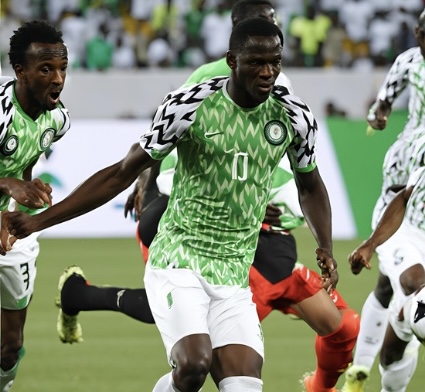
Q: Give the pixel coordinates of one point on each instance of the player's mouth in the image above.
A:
(265, 88)
(54, 97)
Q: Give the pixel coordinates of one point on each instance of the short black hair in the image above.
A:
(252, 27)
(30, 32)
(242, 9)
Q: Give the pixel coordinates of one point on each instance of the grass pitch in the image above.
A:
(121, 354)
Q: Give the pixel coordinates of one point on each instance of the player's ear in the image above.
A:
(231, 59)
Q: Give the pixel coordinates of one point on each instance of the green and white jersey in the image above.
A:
(23, 140)
(284, 192)
(408, 70)
(226, 159)
(415, 208)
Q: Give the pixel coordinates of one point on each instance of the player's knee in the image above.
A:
(191, 371)
(240, 384)
(412, 278)
(350, 326)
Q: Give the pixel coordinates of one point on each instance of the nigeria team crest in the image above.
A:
(47, 138)
(275, 132)
(10, 145)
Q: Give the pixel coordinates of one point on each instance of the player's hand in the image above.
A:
(272, 215)
(19, 224)
(377, 120)
(360, 258)
(31, 194)
(133, 205)
(6, 240)
(328, 267)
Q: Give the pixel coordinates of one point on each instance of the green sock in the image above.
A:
(8, 376)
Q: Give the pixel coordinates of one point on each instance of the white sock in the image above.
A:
(165, 384)
(240, 384)
(373, 323)
(396, 377)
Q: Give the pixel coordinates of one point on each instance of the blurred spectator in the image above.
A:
(55, 8)
(382, 32)
(334, 47)
(99, 51)
(142, 37)
(160, 53)
(361, 60)
(141, 9)
(310, 33)
(355, 16)
(124, 56)
(8, 23)
(73, 26)
(215, 32)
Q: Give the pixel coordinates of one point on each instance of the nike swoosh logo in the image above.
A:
(211, 134)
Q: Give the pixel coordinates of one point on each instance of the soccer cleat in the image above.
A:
(68, 327)
(308, 384)
(355, 379)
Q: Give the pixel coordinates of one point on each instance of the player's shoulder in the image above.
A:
(288, 100)
(412, 55)
(7, 108)
(195, 92)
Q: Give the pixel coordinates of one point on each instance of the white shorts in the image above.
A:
(184, 303)
(403, 250)
(18, 272)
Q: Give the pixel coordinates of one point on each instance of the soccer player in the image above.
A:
(31, 119)
(406, 72)
(403, 221)
(273, 267)
(230, 134)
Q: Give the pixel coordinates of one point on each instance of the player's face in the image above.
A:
(43, 75)
(420, 36)
(255, 68)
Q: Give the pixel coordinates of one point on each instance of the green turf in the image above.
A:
(120, 354)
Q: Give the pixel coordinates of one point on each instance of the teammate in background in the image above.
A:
(407, 71)
(403, 221)
(31, 119)
(196, 277)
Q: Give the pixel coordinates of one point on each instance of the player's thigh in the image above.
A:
(399, 254)
(18, 273)
(233, 319)
(178, 303)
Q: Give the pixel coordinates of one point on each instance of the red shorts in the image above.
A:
(302, 284)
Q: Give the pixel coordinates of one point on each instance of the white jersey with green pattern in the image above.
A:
(408, 70)
(415, 208)
(226, 159)
(23, 140)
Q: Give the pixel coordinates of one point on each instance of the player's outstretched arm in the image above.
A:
(91, 194)
(386, 227)
(314, 201)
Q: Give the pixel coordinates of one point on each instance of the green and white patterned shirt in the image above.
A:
(23, 140)
(226, 159)
(415, 208)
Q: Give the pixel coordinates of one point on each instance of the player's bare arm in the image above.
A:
(386, 227)
(91, 194)
(314, 201)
